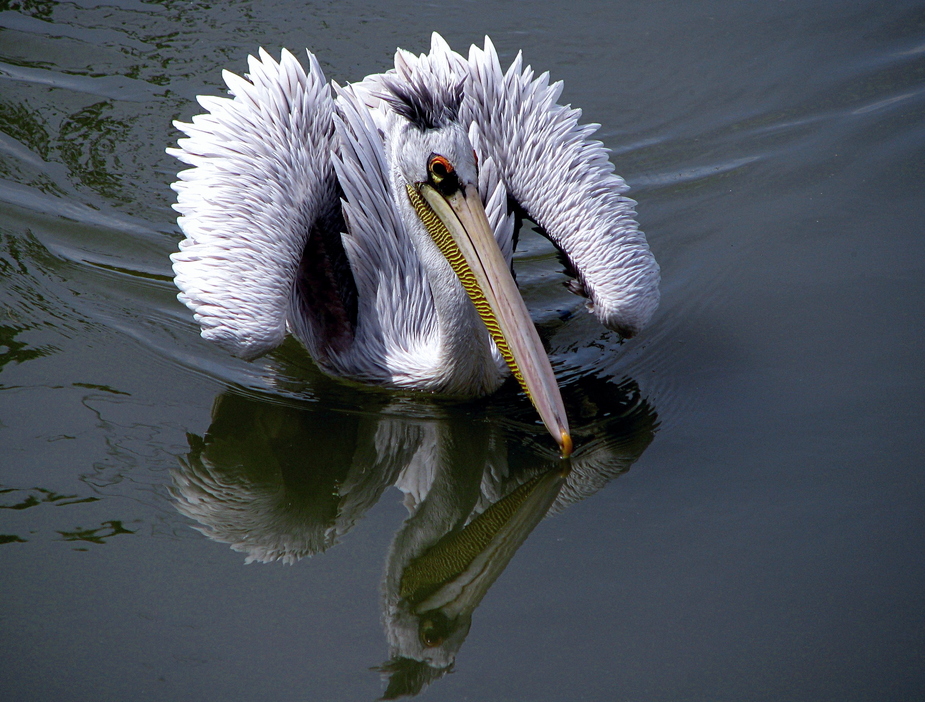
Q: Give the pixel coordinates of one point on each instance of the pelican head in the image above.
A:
(437, 165)
(426, 121)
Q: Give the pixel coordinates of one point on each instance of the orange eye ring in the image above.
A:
(439, 167)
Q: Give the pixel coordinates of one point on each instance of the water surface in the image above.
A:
(745, 518)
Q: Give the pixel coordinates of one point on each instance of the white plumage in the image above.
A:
(297, 219)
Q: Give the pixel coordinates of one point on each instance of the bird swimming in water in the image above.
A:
(376, 221)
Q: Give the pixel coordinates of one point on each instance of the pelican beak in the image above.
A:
(458, 224)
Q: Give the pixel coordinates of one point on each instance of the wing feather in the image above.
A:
(261, 175)
(565, 182)
(397, 309)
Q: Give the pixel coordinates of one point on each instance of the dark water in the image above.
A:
(745, 519)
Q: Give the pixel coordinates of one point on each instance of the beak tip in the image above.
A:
(565, 442)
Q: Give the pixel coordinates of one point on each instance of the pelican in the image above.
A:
(375, 221)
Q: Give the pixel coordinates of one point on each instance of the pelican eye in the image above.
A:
(430, 635)
(438, 168)
(434, 628)
(441, 175)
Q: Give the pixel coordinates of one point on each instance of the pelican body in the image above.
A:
(376, 221)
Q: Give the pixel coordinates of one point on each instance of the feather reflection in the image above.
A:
(278, 482)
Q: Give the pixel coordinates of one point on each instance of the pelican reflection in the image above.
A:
(281, 482)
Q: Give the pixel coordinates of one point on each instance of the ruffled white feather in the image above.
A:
(565, 181)
(261, 172)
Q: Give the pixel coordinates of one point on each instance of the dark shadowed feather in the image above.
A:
(425, 106)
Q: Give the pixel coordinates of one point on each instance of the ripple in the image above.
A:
(95, 36)
(114, 87)
(882, 104)
(33, 199)
(694, 173)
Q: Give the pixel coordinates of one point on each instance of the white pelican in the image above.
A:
(374, 222)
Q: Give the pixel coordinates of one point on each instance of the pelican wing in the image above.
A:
(565, 182)
(261, 181)
(395, 301)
